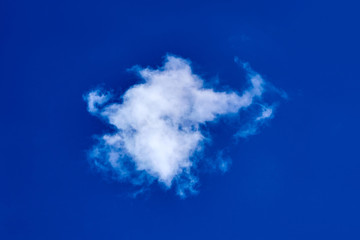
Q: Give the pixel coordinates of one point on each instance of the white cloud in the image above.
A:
(157, 124)
(252, 127)
(96, 99)
(265, 113)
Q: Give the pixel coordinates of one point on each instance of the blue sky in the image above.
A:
(297, 178)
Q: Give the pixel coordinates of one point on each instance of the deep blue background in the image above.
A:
(298, 179)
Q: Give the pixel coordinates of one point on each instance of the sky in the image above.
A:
(179, 120)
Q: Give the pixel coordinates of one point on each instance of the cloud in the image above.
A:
(252, 127)
(157, 124)
(96, 99)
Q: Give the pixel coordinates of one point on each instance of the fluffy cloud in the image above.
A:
(157, 124)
